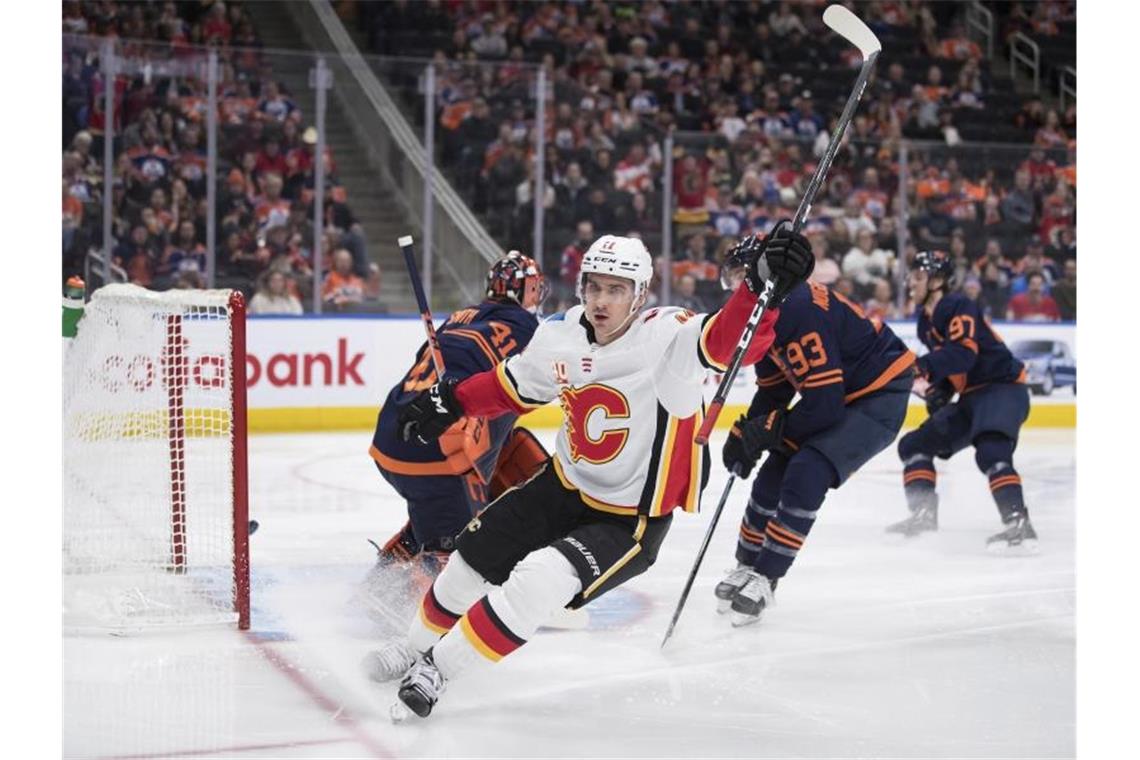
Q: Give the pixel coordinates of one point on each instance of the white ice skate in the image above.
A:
(1018, 538)
(421, 686)
(727, 589)
(750, 602)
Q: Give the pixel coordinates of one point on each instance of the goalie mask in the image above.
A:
(517, 278)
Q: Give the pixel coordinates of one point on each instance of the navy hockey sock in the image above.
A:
(805, 484)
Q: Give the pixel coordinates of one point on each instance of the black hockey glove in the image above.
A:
(938, 395)
(430, 413)
(735, 460)
(784, 256)
(764, 433)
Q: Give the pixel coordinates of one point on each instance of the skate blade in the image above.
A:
(1027, 548)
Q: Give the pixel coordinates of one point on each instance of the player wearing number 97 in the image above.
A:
(854, 377)
(966, 358)
(446, 483)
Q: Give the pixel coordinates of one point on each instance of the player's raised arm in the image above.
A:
(708, 344)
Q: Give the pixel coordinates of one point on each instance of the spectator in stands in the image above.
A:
(1065, 292)
(1033, 261)
(972, 289)
(571, 260)
(864, 263)
(275, 105)
(1019, 204)
(570, 190)
(995, 289)
(184, 254)
(137, 256)
(1064, 246)
(826, 270)
(880, 305)
(273, 296)
(1034, 305)
(957, 46)
(855, 220)
(270, 159)
(685, 294)
(342, 288)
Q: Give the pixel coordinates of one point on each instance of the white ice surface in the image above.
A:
(875, 649)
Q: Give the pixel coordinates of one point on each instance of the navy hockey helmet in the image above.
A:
(936, 264)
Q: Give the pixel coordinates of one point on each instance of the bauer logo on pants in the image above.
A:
(585, 553)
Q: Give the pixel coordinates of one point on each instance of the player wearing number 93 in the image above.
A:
(447, 482)
(854, 378)
(966, 358)
(630, 384)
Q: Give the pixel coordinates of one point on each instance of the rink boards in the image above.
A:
(333, 372)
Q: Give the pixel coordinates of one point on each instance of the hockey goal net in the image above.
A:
(155, 481)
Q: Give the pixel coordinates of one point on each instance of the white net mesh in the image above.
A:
(148, 461)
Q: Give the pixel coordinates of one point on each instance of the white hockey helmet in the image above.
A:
(619, 257)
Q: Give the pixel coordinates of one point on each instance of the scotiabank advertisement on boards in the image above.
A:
(326, 372)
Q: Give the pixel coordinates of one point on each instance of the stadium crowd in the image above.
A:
(758, 81)
(266, 160)
(750, 90)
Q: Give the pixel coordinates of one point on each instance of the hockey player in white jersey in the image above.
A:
(630, 387)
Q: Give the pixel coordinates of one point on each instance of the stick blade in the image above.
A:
(847, 25)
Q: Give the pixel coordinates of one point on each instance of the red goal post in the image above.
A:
(156, 518)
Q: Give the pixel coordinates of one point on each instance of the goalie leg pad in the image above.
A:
(519, 460)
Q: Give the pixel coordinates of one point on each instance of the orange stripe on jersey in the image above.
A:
(969, 343)
(821, 383)
(958, 381)
(769, 381)
(479, 340)
(509, 388)
(837, 372)
(400, 467)
(676, 486)
(898, 366)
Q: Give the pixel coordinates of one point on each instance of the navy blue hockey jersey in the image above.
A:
(472, 340)
(831, 353)
(964, 348)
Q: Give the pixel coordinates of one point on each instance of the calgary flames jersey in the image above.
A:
(631, 409)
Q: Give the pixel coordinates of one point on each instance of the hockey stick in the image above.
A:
(848, 26)
(405, 244)
(700, 557)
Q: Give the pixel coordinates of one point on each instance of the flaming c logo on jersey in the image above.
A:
(578, 404)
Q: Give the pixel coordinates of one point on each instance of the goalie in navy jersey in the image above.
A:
(854, 377)
(967, 359)
(447, 482)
